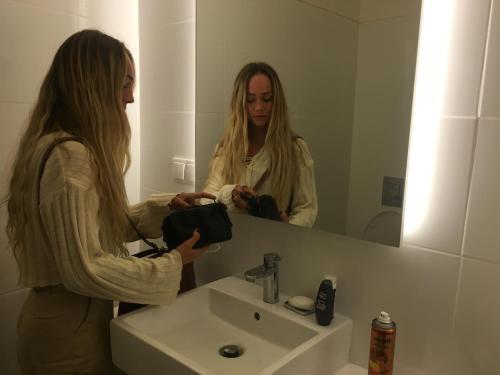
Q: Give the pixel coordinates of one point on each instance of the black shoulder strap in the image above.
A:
(155, 249)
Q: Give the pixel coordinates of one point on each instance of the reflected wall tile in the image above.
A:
(477, 328)
(347, 8)
(209, 128)
(490, 105)
(210, 73)
(443, 208)
(482, 234)
(25, 40)
(381, 9)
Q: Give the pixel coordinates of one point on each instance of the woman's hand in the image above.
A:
(284, 217)
(185, 200)
(238, 192)
(189, 254)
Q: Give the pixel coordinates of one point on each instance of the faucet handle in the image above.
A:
(271, 260)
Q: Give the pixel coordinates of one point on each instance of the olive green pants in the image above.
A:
(60, 332)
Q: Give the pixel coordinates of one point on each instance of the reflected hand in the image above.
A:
(284, 217)
(238, 192)
(185, 200)
(186, 250)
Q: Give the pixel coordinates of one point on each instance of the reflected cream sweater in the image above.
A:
(63, 245)
(301, 196)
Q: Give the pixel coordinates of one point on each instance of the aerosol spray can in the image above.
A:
(382, 341)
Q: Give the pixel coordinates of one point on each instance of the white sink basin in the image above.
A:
(185, 338)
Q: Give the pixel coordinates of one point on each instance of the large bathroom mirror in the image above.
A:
(348, 69)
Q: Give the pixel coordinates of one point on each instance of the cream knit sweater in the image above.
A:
(62, 236)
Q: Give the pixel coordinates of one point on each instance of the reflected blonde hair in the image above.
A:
(279, 138)
(80, 95)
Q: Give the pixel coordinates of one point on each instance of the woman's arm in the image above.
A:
(70, 219)
(84, 256)
(215, 185)
(148, 216)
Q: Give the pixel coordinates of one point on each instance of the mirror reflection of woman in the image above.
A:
(259, 154)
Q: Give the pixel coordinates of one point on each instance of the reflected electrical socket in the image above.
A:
(392, 191)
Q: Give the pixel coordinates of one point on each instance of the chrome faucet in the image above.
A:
(270, 272)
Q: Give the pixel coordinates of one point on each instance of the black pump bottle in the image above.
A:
(325, 300)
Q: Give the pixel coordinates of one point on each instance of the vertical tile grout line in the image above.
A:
(472, 163)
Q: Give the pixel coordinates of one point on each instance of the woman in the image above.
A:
(67, 227)
(259, 154)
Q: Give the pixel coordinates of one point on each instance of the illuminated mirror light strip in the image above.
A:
(430, 86)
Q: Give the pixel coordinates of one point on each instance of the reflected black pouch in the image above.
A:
(211, 220)
(263, 206)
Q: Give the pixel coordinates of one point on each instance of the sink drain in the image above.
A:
(231, 351)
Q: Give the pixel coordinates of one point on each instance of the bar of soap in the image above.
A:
(301, 302)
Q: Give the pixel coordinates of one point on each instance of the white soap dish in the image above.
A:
(300, 304)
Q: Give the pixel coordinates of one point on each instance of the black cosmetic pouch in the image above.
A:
(211, 220)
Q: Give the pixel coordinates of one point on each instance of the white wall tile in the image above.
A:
(116, 14)
(490, 105)
(210, 66)
(442, 222)
(166, 135)
(25, 39)
(66, 6)
(167, 52)
(466, 55)
(172, 78)
(476, 325)
(331, 155)
(11, 306)
(482, 234)
(156, 14)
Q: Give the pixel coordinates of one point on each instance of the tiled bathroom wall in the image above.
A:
(387, 49)
(30, 33)
(167, 50)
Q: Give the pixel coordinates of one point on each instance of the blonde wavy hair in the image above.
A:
(80, 95)
(279, 142)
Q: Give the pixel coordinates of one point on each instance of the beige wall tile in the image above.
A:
(490, 106)
(482, 234)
